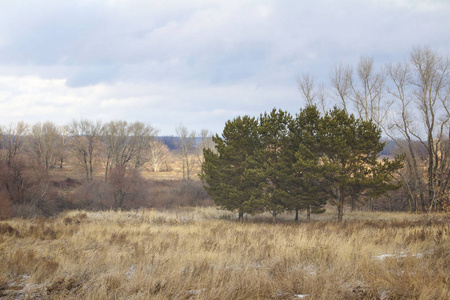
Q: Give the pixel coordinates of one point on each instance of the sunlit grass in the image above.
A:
(204, 253)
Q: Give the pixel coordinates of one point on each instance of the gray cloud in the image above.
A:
(198, 63)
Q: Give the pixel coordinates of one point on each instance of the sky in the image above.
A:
(194, 63)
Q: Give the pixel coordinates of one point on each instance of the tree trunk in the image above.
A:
(296, 215)
(340, 208)
(340, 203)
(308, 213)
(241, 216)
(274, 218)
(106, 168)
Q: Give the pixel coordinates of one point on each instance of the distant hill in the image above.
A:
(172, 142)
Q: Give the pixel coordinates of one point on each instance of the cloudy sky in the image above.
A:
(198, 63)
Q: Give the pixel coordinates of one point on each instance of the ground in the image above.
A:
(204, 253)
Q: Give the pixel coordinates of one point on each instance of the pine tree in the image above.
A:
(351, 150)
(273, 171)
(305, 173)
(230, 174)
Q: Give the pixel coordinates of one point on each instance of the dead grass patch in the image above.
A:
(197, 254)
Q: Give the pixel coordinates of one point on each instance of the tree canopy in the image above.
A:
(278, 162)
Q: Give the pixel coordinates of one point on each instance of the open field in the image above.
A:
(203, 253)
(171, 169)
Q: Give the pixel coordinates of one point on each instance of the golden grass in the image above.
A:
(200, 254)
(73, 169)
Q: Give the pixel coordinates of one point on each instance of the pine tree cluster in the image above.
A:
(280, 162)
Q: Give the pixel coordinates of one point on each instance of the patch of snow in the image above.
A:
(301, 296)
(197, 292)
(131, 271)
(383, 256)
(401, 255)
(384, 294)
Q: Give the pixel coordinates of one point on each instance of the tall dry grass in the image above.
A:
(201, 254)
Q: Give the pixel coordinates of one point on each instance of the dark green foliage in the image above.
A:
(306, 184)
(351, 149)
(274, 170)
(231, 174)
(278, 162)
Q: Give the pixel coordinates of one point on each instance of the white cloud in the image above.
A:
(196, 62)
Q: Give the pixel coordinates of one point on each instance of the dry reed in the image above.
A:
(201, 254)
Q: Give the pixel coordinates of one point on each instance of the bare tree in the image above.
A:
(186, 143)
(25, 188)
(85, 142)
(157, 154)
(365, 93)
(341, 78)
(142, 135)
(313, 93)
(13, 138)
(62, 145)
(126, 186)
(422, 94)
(114, 135)
(125, 142)
(44, 143)
(369, 93)
(411, 102)
(205, 142)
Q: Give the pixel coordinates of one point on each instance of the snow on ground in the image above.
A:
(400, 255)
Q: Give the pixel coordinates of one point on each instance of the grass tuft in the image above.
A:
(200, 254)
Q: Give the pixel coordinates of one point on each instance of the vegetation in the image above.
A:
(201, 254)
(45, 169)
(277, 163)
(410, 101)
(109, 241)
(230, 173)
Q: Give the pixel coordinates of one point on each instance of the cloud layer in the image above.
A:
(200, 62)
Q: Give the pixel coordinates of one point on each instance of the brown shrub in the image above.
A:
(6, 229)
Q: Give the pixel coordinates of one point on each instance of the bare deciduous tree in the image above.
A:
(314, 94)
(44, 143)
(410, 101)
(365, 93)
(62, 145)
(143, 135)
(205, 142)
(114, 136)
(158, 153)
(341, 84)
(85, 141)
(13, 138)
(126, 186)
(186, 143)
(422, 96)
(125, 142)
(368, 93)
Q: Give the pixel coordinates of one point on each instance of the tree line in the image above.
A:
(410, 101)
(122, 149)
(279, 162)
(275, 162)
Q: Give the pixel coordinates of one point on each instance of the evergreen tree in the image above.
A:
(304, 184)
(230, 174)
(272, 169)
(350, 149)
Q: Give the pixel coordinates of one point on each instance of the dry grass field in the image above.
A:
(171, 169)
(204, 253)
